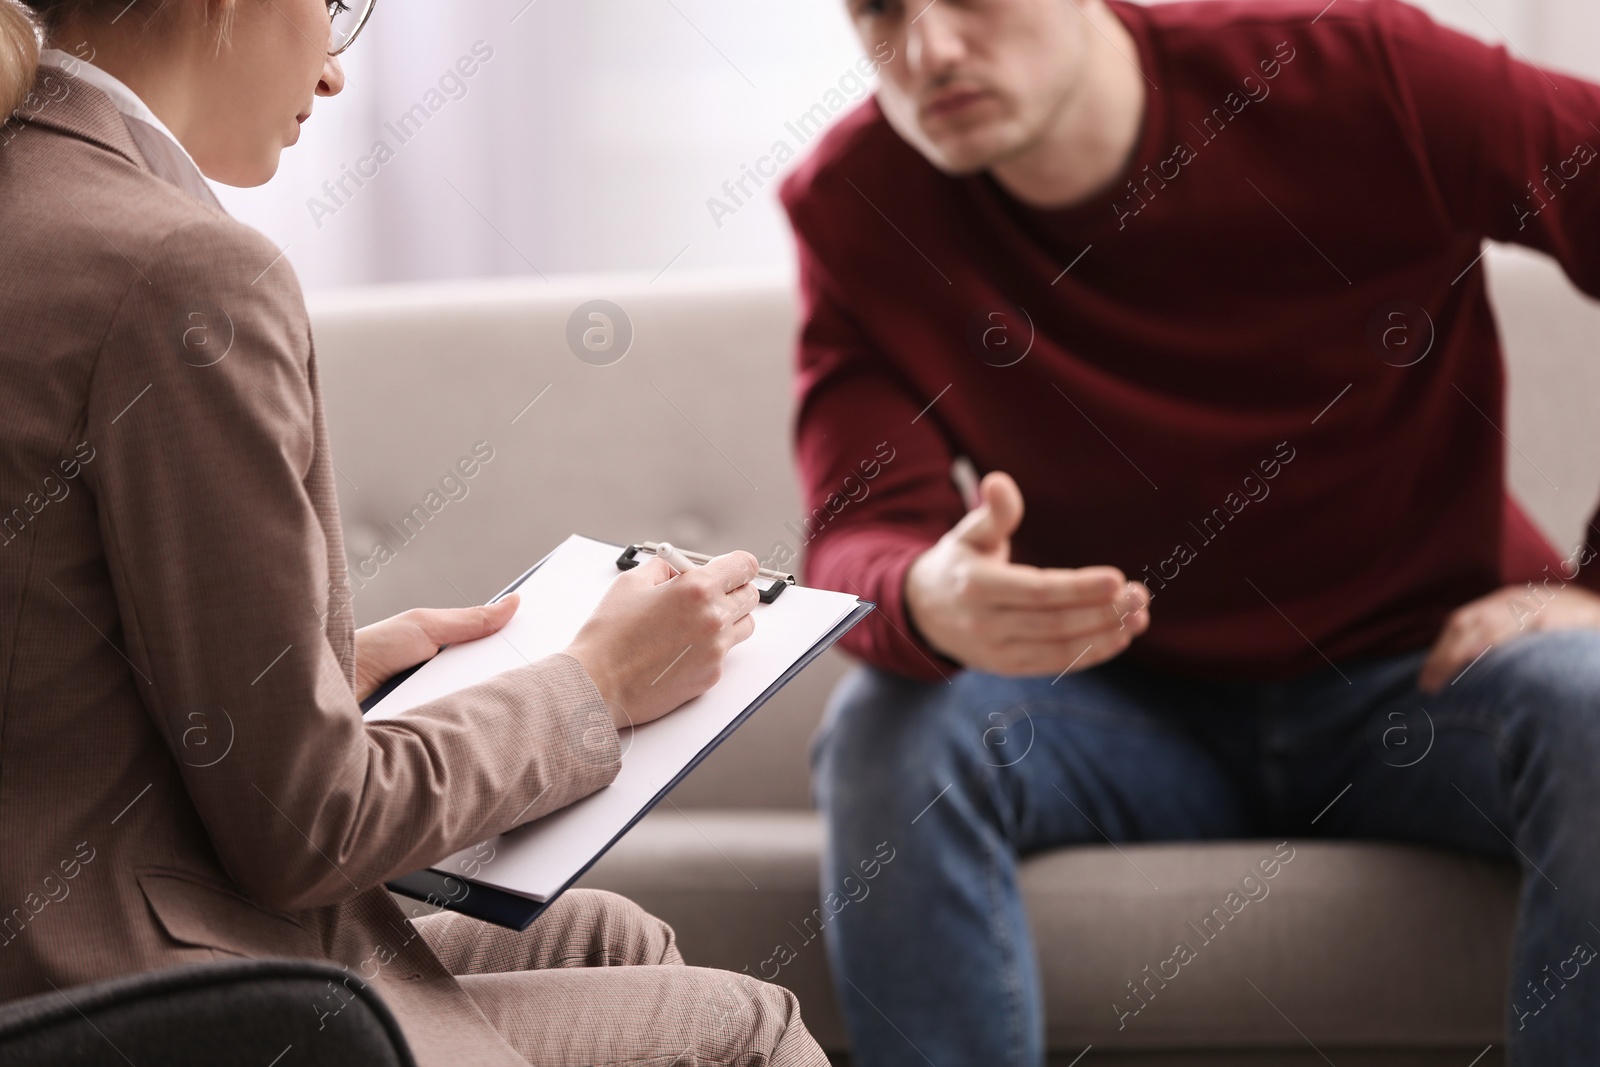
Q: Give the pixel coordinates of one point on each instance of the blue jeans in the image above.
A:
(962, 779)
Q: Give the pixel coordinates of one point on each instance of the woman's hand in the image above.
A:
(386, 648)
(655, 641)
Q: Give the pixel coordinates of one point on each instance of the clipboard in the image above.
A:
(489, 903)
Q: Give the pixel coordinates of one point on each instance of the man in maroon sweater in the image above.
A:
(1201, 282)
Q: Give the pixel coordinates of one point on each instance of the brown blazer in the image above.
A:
(184, 772)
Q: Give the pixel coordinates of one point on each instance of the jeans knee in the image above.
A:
(882, 733)
(1550, 682)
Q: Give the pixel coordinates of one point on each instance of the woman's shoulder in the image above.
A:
(112, 270)
(119, 284)
(73, 195)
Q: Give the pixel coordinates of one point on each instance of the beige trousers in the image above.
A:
(598, 980)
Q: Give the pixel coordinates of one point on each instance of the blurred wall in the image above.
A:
(590, 134)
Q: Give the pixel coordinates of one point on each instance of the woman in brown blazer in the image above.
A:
(184, 770)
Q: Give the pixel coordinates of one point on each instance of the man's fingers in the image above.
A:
(1030, 659)
(1431, 678)
(1016, 585)
(989, 526)
(1455, 648)
(1062, 624)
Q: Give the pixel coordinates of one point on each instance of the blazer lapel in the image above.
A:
(167, 162)
(71, 105)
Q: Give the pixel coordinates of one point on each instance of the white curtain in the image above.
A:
(556, 136)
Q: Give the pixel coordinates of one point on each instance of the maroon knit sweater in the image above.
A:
(1258, 372)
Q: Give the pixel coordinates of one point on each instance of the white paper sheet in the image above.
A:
(537, 859)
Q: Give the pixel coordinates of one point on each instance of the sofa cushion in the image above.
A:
(1360, 945)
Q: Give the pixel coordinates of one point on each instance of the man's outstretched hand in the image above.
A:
(971, 603)
(1500, 617)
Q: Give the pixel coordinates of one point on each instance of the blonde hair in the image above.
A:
(19, 55)
(28, 25)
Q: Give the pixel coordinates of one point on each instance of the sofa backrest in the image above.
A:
(686, 438)
(1551, 334)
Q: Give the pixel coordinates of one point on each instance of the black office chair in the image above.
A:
(249, 1013)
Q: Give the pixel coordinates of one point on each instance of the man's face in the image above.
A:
(974, 82)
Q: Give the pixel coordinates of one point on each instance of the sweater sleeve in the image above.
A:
(1589, 555)
(1513, 150)
(220, 563)
(875, 473)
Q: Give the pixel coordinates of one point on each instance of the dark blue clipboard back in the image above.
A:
(459, 893)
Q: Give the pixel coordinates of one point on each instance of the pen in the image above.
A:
(777, 578)
(965, 474)
(675, 559)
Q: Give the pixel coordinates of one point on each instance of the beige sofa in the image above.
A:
(1361, 953)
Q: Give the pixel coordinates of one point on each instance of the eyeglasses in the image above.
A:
(347, 20)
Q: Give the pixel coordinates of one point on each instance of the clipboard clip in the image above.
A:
(780, 581)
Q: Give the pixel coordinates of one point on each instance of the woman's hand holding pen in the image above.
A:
(656, 641)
